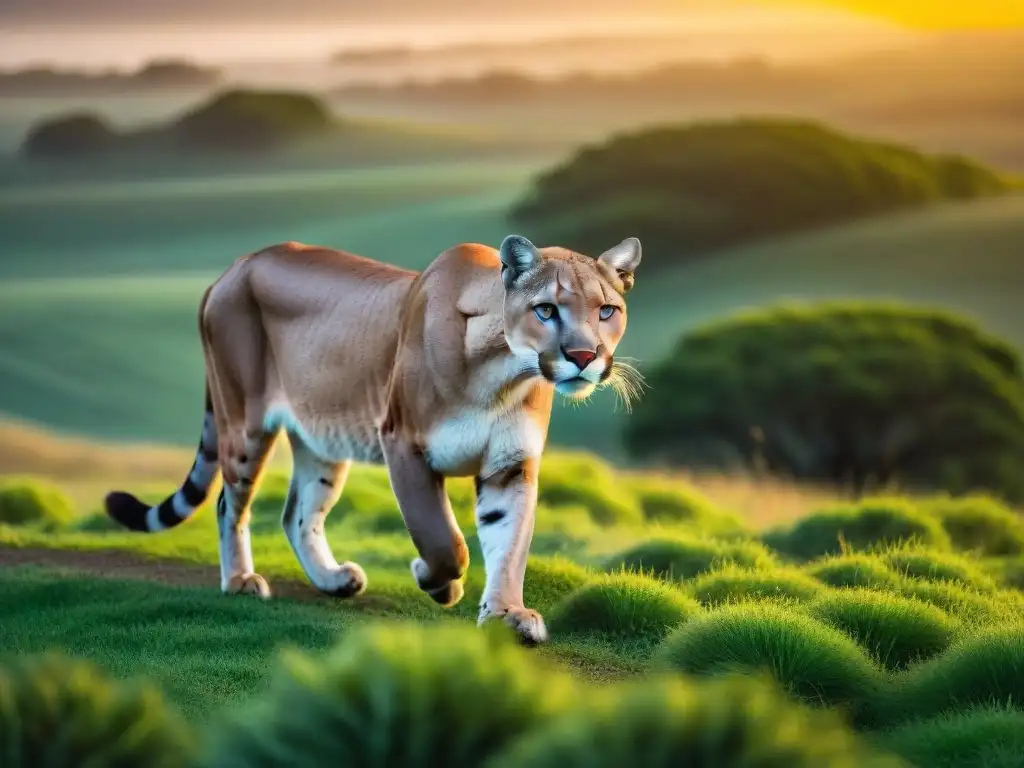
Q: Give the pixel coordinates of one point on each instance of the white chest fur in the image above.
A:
(481, 442)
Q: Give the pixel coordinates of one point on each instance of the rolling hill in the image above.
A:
(101, 340)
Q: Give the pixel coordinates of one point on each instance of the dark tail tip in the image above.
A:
(127, 510)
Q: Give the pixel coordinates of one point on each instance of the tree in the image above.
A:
(857, 395)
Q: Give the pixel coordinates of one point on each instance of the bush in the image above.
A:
(725, 723)
(897, 631)
(918, 563)
(570, 479)
(809, 659)
(59, 713)
(624, 606)
(685, 190)
(980, 524)
(871, 524)
(75, 134)
(396, 695)
(26, 501)
(980, 670)
(682, 557)
(992, 737)
(731, 583)
(860, 396)
(852, 569)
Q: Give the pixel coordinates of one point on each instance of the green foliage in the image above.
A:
(26, 501)
(683, 557)
(979, 523)
(59, 713)
(811, 660)
(871, 524)
(852, 569)
(986, 668)
(623, 605)
(982, 737)
(551, 579)
(729, 723)
(861, 396)
(568, 479)
(732, 583)
(396, 695)
(78, 133)
(690, 189)
(673, 502)
(920, 563)
(897, 631)
(955, 599)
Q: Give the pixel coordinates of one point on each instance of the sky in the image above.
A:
(125, 33)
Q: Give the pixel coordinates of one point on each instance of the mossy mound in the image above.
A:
(852, 569)
(623, 605)
(982, 737)
(979, 523)
(28, 501)
(811, 660)
(927, 564)
(572, 478)
(732, 583)
(683, 557)
(897, 631)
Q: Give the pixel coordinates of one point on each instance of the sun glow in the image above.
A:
(930, 14)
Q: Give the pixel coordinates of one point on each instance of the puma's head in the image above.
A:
(565, 313)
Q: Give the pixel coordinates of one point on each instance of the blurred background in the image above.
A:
(827, 193)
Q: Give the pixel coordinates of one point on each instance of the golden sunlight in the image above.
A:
(932, 14)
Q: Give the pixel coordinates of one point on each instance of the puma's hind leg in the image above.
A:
(315, 488)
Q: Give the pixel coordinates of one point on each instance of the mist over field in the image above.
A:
(806, 533)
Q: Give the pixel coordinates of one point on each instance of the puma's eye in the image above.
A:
(608, 310)
(545, 311)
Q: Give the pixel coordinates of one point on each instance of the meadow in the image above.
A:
(899, 617)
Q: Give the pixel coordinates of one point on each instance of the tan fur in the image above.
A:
(447, 372)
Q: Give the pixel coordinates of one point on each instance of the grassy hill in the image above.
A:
(118, 356)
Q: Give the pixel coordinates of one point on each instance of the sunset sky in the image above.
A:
(126, 32)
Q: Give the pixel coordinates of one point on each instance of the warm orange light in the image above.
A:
(932, 14)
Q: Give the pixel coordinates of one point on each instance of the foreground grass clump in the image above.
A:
(871, 524)
(990, 737)
(683, 557)
(60, 713)
(919, 563)
(982, 669)
(896, 631)
(26, 501)
(732, 583)
(979, 523)
(624, 605)
(396, 695)
(809, 659)
(729, 723)
(853, 569)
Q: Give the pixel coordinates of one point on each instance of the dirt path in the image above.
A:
(118, 564)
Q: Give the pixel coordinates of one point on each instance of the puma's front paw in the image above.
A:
(526, 622)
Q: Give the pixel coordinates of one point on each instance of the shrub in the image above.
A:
(60, 713)
(979, 523)
(623, 605)
(724, 723)
(927, 564)
(992, 737)
(860, 396)
(873, 523)
(28, 501)
(852, 570)
(982, 669)
(683, 557)
(684, 190)
(569, 479)
(731, 583)
(396, 695)
(809, 659)
(897, 631)
(71, 135)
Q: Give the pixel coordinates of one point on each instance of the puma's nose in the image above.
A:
(582, 357)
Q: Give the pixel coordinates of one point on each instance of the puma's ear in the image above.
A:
(518, 256)
(624, 258)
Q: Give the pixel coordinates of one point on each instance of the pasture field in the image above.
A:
(119, 279)
(901, 617)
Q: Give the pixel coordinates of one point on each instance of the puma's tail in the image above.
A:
(179, 506)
